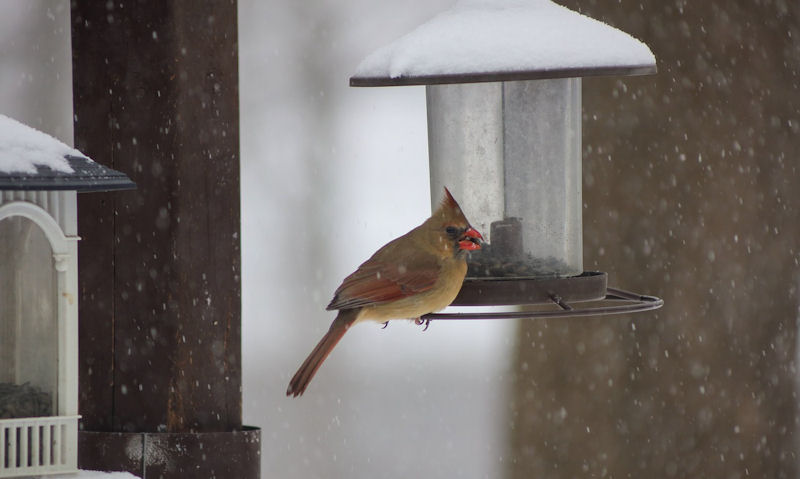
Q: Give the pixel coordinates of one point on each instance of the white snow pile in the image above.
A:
(488, 36)
(93, 475)
(23, 148)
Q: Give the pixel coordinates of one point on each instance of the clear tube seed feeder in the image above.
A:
(489, 150)
(503, 88)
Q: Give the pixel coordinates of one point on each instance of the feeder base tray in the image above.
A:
(532, 295)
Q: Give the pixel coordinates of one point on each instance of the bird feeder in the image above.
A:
(39, 179)
(503, 89)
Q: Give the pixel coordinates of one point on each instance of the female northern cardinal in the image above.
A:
(415, 274)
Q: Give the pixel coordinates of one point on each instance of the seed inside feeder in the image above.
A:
(505, 256)
(24, 400)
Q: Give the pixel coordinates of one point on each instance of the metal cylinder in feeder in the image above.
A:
(511, 153)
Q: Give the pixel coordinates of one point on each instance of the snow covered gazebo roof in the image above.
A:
(32, 160)
(505, 40)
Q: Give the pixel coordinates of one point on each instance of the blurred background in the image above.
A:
(690, 191)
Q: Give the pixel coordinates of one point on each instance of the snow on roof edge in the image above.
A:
(506, 37)
(23, 148)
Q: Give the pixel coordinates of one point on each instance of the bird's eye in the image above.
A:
(452, 231)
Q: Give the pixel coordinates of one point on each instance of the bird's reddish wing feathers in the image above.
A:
(377, 282)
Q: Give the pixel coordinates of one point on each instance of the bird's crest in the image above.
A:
(449, 201)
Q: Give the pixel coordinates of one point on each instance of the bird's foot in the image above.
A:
(420, 321)
(385, 324)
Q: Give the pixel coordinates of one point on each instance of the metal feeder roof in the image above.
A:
(505, 40)
(86, 176)
(32, 160)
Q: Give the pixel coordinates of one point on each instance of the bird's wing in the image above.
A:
(379, 281)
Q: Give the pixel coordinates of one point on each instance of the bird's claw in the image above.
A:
(420, 321)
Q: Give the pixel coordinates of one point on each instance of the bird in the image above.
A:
(415, 274)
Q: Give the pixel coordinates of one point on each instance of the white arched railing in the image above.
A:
(48, 444)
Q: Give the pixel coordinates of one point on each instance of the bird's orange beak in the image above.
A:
(472, 240)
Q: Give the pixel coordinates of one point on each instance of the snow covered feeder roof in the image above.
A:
(505, 40)
(32, 160)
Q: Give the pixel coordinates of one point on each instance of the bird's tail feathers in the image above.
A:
(303, 376)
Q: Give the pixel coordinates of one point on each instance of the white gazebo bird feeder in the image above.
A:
(503, 87)
(39, 179)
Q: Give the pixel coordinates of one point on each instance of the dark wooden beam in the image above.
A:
(156, 97)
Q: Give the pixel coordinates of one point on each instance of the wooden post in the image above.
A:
(156, 96)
